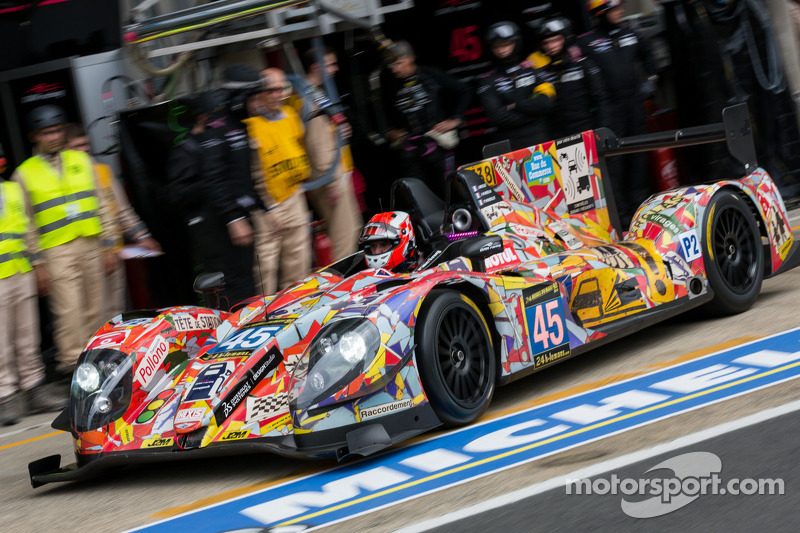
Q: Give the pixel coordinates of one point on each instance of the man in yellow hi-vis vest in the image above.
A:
(21, 367)
(283, 234)
(72, 237)
(127, 224)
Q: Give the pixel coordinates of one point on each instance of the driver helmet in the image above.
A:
(388, 240)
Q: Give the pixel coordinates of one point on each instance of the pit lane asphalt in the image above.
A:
(763, 451)
(139, 495)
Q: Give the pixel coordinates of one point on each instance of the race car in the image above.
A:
(523, 266)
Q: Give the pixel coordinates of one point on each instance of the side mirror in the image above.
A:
(209, 283)
(482, 247)
(210, 286)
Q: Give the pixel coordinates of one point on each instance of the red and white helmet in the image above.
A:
(388, 240)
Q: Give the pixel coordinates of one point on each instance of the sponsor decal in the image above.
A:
(157, 442)
(384, 409)
(210, 380)
(490, 247)
(187, 322)
(504, 260)
(664, 221)
(236, 435)
(283, 422)
(191, 415)
(107, 340)
(690, 245)
(478, 450)
(259, 371)
(546, 324)
(152, 361)
(539, 169)
(220, 356)
(504, 167)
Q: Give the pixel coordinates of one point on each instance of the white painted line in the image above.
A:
(601, 468)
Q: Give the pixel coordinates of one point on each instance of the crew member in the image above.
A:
(622, 55)
(71, 241)
(327, 133)
(388, 242)
(423, 126)
(210, 179)
(516, 98)
(21, 368)
(127, 224)
(283, 238)
(581, 101)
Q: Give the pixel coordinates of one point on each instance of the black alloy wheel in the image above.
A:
(733, 254)
(455, 357)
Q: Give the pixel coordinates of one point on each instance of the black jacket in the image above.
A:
(210, 172)
(517, 100)
(623, 57)
(581, 101)
(420, 102)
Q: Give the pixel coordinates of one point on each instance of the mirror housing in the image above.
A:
(211, 283)
(482, 247)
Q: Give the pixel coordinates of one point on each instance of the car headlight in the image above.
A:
(87, 377)
(101, 388)
(342, 351)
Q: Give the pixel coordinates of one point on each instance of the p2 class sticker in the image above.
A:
(547, 325)
(576, 179)
(690, 245)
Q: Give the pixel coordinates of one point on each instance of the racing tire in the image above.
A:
(733, 254)
(455, 357)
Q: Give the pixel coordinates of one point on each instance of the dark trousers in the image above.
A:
(422, 158)
(213, 251)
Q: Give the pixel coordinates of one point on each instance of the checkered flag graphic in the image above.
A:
(266, 407)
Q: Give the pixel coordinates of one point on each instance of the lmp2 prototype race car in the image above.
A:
(524, 265)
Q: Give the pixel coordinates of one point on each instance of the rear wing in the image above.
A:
(569, 178)
(735, 130)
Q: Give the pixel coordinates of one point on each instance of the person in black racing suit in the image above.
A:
(515, 97)
(210, 181)
(624, 58)
(581, 100)
(425, 108)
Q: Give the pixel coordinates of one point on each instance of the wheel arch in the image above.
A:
(761, 223)
(481, 299)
